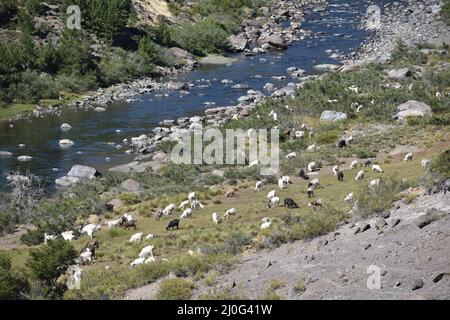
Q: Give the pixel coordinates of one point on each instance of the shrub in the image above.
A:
(49, 262)
(445, 12)
(175, 289)
(376, 199)
(12, 286)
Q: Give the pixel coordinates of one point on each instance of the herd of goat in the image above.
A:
(192, 203)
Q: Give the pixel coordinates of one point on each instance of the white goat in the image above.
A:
(254, 163)
(335, 170)
(184, 204)
(291, 155)
(266, 224)
(85, 256)
(312, 166)
(229, 212)
(376, 168)
(273, 202)
(192, 196)
(315, 183)
(186, 214)
(113, 223)
(374, 183)
(258, 186)
(89, 229)
(197, 205)
(49, 237)
(169, 209)
(299, 134)
(349, 140)
(137, 262)
(354, 164)
(360, 175)
(271, 194)
(146, 252)
(216, 218)
(282, 184)
(137, 237)
(349, 197)
(68, 235)
(408, 157)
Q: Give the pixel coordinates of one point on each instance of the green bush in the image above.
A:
(445, 12)
(12, 286)
(175, 289)
(49, 262)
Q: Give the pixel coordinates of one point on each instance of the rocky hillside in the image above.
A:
(409, 243)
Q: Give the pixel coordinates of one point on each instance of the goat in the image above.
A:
(49, 237)
(299, 134)
(258, 186)
(113, 223)
(266, 223)
(146, 252)
(68, 235)
(254, 163)
(184, 204)
(349, 140)
(282, 183)
(128, 217)
(92, 245)
(129, 224)
(173, 223)
(271, 194)
(315, 183)
(310, 192)
(286, 179)
(291, 155)
(290, 203)
(316, 204)
(376, 168)
(274, 201)
(158, 215)
(186, 214)
(197, 205)
(359, 175)
(341, 144)
(216, 218)
(192, 196)
(137, 262)
(354, 164)
(85, 257)
(340, 176)
(446, 186)
(408, 157)
(374, 183)
(169, 209)
(312, 166)
(349, 197)
(230, 193)
(367, 163)
(303, 174)
(230, 212)
(136, 237)
(335, 170)
(89, 229)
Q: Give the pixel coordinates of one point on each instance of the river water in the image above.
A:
(97, 134)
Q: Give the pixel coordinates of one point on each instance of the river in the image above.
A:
(96, 135)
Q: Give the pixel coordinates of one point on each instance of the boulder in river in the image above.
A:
(5, 154)
(238, 42)
(329, 115)
(66, 143)
(83, 172)
(24, 158)
(412, 108)
(66, 127)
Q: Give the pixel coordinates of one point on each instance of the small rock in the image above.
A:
(380, 223)
(417, 284)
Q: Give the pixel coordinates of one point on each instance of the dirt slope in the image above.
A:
(149, 10)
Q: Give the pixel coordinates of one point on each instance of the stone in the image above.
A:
(380, 223)
(66, 181)
(417, 284)
(83, 172)
(130, 185)
(326, 67)
(412, 108)
(99, 109)
(5, 154)
(66, 127)
(365, 227)
(395, 222)
(398, 74)
(93, 219)
(160, 156)
(116, 204)
(238, 42)
(329, 115)
(24, 158)
(276, 41)
(426, 219)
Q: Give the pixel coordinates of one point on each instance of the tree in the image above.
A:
(51, 261)
(12, 286)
